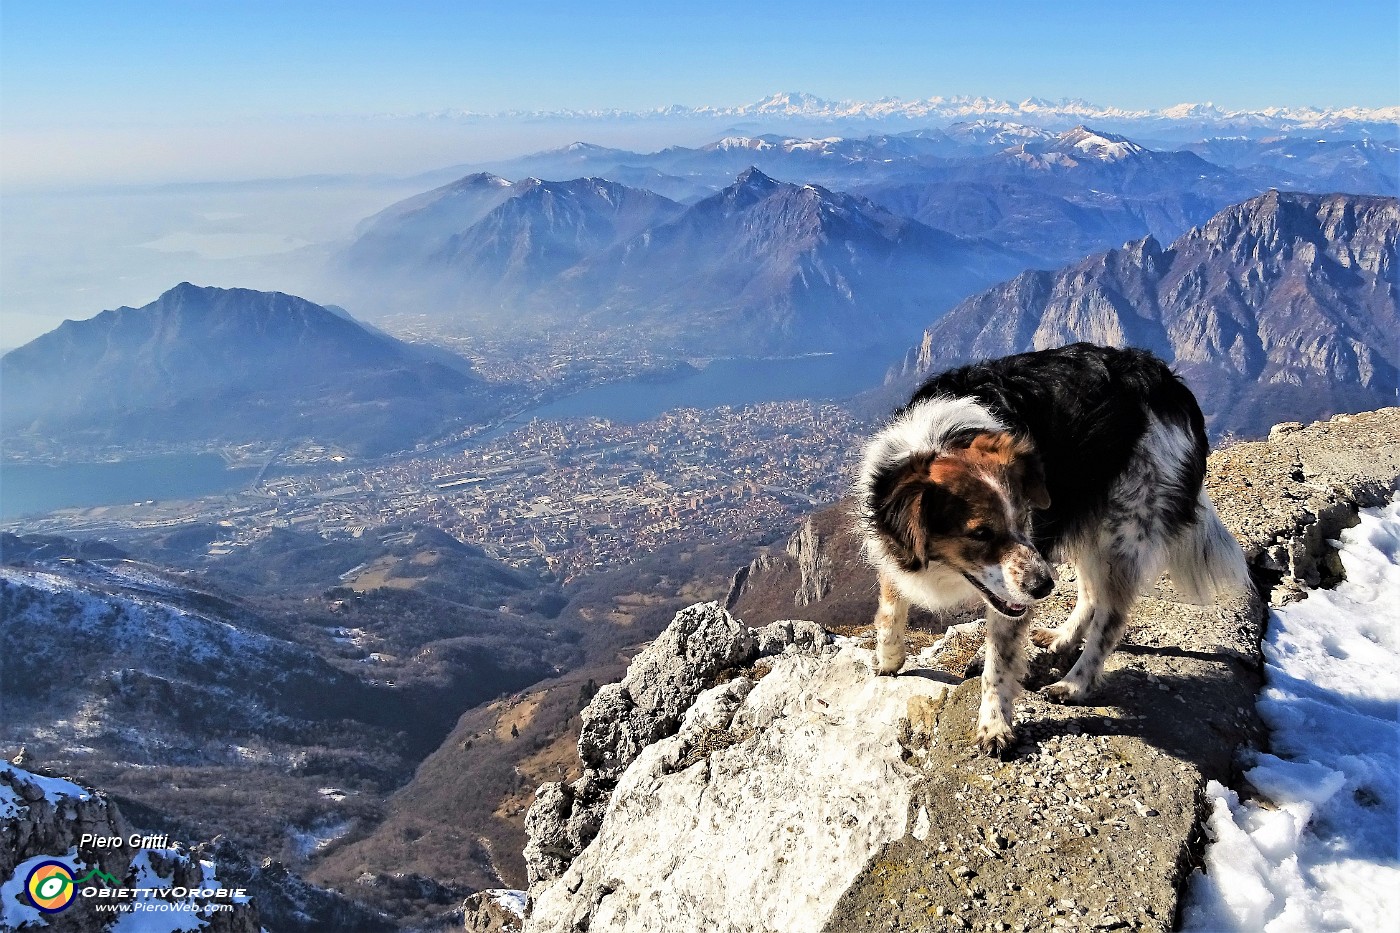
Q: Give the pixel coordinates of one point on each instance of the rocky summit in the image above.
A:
(742, 779)
(1284, 303)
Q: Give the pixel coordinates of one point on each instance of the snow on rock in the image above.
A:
(1323, 853)
(495, 911)
(45, 819)
(758, 813)
(513, 901)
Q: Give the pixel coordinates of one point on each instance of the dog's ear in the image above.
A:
(896, 501)
(1030, 473)
(1016, 454)
(908, 505)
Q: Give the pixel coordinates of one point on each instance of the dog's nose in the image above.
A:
(1042, 587)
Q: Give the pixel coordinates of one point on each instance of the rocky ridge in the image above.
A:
(1285, 302)
(733, 786)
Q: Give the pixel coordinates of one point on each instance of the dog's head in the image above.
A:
(967, 509)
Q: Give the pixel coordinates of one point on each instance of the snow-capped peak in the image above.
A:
(756, 143)
(1205, 111)
(1105, 147)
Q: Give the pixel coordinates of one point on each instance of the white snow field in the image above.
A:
(1323, 853)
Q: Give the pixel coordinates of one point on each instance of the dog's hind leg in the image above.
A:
(1001, 680)
(891, 622)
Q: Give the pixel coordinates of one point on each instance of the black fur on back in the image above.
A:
(1085, 407)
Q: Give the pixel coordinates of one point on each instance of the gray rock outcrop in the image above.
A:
(813, 564)
(703, 642)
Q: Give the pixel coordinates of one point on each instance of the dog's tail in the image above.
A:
(1206, 562)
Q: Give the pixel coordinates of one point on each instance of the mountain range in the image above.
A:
(657, 253)
(1285, 305)
(761, 266)
(799, 106)
(214, 364)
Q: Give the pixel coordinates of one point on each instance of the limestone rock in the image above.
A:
(495, 911)
(623, 719)
(764, 830)
(809, 550)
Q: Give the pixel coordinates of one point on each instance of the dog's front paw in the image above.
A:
(994, 738)
(1053, 641)
(889, 657)
(888, 667)
(1065, 692)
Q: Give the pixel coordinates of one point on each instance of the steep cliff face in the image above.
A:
(733, 786)
(808, 549)
(1286, 302)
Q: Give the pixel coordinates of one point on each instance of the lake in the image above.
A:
(722, 382)
(29, 488)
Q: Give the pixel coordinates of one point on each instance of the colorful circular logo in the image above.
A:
(50, 886)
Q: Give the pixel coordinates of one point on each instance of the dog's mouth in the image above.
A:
(1011, 610)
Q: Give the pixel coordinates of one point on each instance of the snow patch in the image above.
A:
(513, 901)
(1322, 854)
(307, 842)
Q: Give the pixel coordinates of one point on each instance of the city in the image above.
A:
(567, 496)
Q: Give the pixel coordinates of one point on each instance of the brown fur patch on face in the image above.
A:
(901, 496)
(1014, 461)
(981, 531)
(949, 508)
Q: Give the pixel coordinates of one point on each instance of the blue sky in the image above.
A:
(154, 61)
(164, 90)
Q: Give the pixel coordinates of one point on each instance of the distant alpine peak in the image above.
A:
(1106, 147)
(756, 143)
(752, 178)
(1035, 110)
(1205, 111)
(481, 180)
(793, 102)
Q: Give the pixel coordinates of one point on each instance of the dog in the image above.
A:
(1086, 454)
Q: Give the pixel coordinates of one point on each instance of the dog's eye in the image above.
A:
(980, 533)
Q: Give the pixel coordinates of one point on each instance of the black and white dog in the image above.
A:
(1088, 454)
